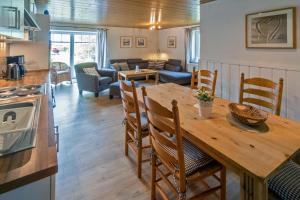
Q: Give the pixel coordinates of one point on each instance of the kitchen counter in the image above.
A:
(32, 77)
(33, 164)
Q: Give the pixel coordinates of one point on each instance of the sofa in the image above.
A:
(93, 83)
(173, 73)
(131, 63)
(143, 64)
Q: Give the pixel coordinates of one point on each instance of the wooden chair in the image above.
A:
(208, 80)
(136, 124)
(268, 91)
(176, 160)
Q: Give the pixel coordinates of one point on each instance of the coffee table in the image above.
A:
(142, 73)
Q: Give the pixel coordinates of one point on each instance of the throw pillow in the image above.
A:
(116, 66)
(91, 71)
(123, 66)
(173, 68)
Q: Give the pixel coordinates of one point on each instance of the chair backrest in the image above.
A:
(59, 66)
(264, 92)
(162, 124)
(130, 105)
(79, 67)
(207, 80)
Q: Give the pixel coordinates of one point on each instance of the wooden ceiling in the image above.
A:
(124, 13)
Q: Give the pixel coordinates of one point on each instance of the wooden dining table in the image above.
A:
(253, 155)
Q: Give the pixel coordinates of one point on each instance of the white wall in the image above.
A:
(36, 53)
(223, 42)
(115, 52)
(175, 53)
(223, 33)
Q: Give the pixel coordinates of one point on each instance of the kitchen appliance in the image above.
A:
(19, 60)
(22, 91)
(13, 72)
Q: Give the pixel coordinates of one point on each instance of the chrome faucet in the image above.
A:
(12, 114)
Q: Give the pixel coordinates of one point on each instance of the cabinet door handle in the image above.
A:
(57, 138)
(19, 20)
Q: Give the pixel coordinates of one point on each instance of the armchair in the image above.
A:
(60, 72)
(93, 83)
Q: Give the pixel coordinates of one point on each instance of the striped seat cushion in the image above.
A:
(194, 158)
(286, 182)
(144, 121)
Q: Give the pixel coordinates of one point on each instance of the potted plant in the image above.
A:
(205, 103)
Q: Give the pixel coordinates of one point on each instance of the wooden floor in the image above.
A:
(92, 165)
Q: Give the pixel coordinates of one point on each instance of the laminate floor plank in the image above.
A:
(92, 164)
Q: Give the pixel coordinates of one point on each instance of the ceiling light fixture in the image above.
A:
(153, 23)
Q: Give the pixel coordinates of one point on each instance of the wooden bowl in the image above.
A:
(247, 114)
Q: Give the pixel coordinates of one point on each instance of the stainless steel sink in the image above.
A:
(18, 123)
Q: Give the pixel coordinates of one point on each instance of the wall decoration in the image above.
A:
(126, 41)
(171, 42)
(271, 29)
(140, 42)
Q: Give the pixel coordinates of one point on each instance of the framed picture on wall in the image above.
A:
(171, 42)
(140, 42)
(126, 41)
(271, 29)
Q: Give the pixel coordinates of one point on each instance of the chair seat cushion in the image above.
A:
(144, 121)
(194, 158)
(286, 182)
(105, 80)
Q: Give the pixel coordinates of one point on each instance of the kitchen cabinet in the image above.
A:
(12, 18)
(43, 189)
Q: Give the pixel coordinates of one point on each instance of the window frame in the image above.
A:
(72, 43)
(193, 47)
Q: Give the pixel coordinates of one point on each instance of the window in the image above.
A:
(84, 48)
(195, 46)
(60, 48)
(73, 47)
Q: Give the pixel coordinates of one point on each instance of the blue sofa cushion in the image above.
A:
(286, 182)
(105, 80)
(181, 78)
(173, 68)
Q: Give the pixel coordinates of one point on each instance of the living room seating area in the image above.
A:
(172, 71)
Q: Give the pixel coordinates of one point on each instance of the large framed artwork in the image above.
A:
(140, 42)
(126, 41)
(171, 42)
(271, 29)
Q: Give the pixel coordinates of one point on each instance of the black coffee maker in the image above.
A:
(19, 60)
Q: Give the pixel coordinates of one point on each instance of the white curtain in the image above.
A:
(101, 48)
(187, 45)
(192, 46)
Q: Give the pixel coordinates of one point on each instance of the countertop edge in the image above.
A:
(49, 166)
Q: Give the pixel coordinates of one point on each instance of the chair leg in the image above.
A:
(96, 94)
(223, 183)
(126, 139)
(139, 160)
(153, 177)
(111, 96)
(80, 92)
